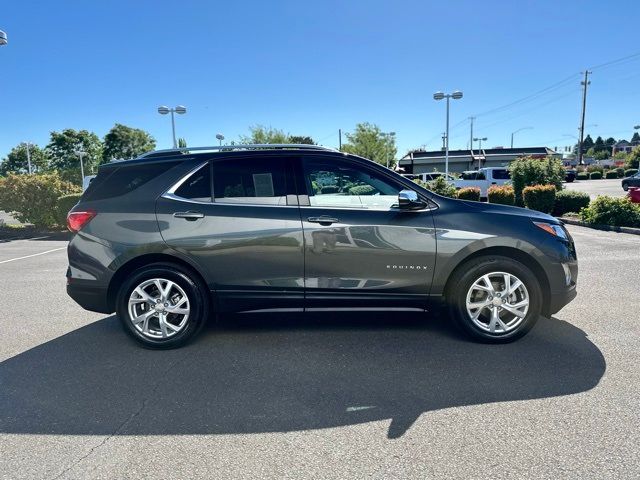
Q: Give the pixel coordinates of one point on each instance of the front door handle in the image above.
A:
(323, 220)
(189, 216)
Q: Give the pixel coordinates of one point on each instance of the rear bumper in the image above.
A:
(89, 297)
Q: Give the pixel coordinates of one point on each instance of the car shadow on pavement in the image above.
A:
(265, 373)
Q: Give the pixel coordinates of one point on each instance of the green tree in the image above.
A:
(301, 139)
(123, 142)
(16, 161)
(182, 143)
(587, 143)
(63, 146)
(260, 134)
(599, 145)
(609, 143)
(527, 171)
(635, 138)
(633, 159)
(368, 141)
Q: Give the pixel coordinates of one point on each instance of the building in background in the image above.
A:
(421, 161)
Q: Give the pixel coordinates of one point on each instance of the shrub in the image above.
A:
(570, 201)
(469, 193)
(595, 175)
(630, 171)
(528, 171)
(620, 172)
(362, 190)
(64, 204)
(540, 197)
(633, 159)
(33, 198)
(441, 187)
(595, 168)
(504, 195)
(330, 189)
(611, 174)
(619, 212)
(582, 176)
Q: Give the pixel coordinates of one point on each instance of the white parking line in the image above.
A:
(34, 255)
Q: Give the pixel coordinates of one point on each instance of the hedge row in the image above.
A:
(503, 195)
(34, 198)
(540, 197)
(570, 201)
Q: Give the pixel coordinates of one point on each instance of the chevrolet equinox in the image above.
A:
(171, 237)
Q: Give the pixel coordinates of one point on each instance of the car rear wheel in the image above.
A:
(162, 306)
(495, 299)
(625, 187)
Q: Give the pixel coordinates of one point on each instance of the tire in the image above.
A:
(467, 285)
(625, 187)
(183, 319)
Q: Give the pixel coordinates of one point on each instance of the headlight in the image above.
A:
(553, 229)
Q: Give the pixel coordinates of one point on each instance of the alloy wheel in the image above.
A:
(497, 302)
(159, 308)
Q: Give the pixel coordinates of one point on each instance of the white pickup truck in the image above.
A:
(483, 179)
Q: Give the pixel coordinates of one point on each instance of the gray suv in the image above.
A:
(172, 237)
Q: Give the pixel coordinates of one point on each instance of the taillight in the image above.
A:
(77, 220)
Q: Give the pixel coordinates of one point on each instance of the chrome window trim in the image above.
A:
(171, 194)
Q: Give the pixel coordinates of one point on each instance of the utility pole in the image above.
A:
(340, 139)
(585, 83)
(444, 137)
(471, 133)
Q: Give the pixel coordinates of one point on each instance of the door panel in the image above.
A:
(251, 254)
(368, 253)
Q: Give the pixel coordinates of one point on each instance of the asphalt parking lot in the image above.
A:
(368, 396)
(611, 187)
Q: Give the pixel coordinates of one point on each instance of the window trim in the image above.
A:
(171, 193)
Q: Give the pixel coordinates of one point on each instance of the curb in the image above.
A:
(608, 228)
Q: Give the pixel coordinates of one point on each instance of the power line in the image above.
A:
(613, 62)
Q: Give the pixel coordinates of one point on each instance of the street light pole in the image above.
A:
(27, 145)
(81, 154)
(180, 109)
(456, 95)
(519, 130)
(480, 140)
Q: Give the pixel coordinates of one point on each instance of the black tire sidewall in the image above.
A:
(197, 302)
(474, 270)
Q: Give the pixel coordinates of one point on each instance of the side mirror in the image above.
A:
(408, 200)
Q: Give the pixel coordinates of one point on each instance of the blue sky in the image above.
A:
(311, 68)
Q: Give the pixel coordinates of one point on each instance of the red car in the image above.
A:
(634, 194)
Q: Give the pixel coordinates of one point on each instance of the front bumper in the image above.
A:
(558, 300)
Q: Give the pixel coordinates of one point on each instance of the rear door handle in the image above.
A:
(190, 216)
(323, 220)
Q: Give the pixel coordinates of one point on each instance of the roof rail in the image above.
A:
(256, 146)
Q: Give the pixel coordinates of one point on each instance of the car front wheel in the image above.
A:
(625, 187)
(495, 299)
(161, 306)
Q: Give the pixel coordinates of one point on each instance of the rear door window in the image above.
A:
(257, 181)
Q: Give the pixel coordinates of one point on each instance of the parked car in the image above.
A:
(570, 175)
(483, 178)
(634, 194)
(427, 177)
(171, 237)
(632, 181)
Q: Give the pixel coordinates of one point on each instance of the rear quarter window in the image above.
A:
(125, 179)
